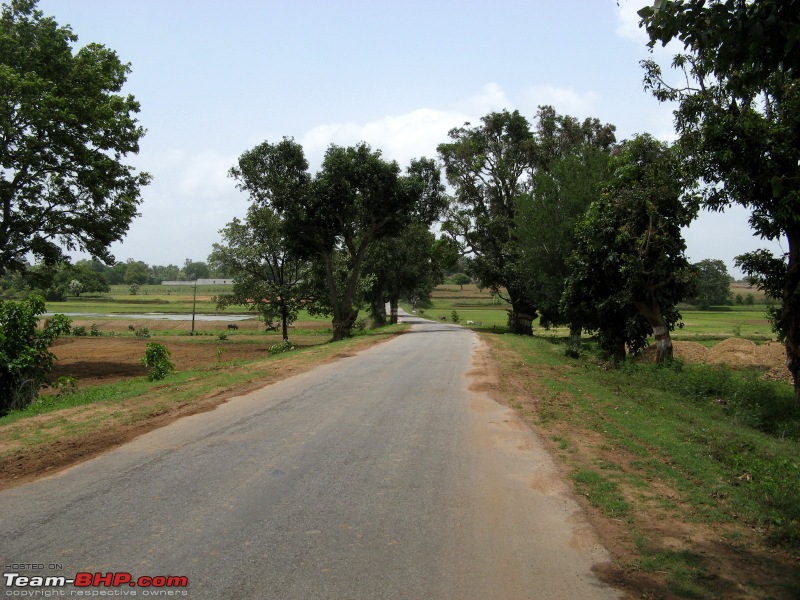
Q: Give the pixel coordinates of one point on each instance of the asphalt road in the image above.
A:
(378, 476)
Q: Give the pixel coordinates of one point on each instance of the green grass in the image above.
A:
(727, 440)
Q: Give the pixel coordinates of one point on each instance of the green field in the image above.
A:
(488, 313)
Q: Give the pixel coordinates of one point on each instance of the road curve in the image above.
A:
(377, 476)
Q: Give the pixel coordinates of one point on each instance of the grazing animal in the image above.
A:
(470, 322)
(131, 328)
(443, 318)
(233, 326)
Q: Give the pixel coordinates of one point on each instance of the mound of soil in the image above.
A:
(733, 352)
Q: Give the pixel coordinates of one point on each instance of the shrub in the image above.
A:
(79, 331)
(284, 346)
(156, 361)
(454, 316)
(95, 331)
(142, 332)
(25, 358)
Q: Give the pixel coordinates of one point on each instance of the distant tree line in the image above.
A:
(91, 276)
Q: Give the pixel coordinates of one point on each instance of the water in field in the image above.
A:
(153, 316)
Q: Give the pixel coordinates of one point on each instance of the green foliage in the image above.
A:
(142, 332)
(284, 346)
(495, 167)
(712, 284)
(454, 316)
(25, 360)
(738, 118)
(156, 361)
(133, 289)
(268, 276)
(333, 218)
(95, 330)
(66, 129)
(628, 268)
(79, 331)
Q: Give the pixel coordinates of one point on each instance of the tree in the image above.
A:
(488, 165)
(333, 218)
(493, 168)
(546, 226)
(268, 275)
(136, 272)
(461, 279)
(193, 271)
(630, 252)
(401, 266)
(65, 131)
(738, 118)
(713, 284)
(25, 360)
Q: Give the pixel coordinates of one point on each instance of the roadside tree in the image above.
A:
(268, 275)
(738, 119)
(494, 169)
(630, 252)
(333, 218)
(66, 130)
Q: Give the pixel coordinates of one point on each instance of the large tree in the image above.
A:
(493, 168)
(268, 276)
(546, 226)
(356, 198)
(65, 132)
(489, 167)
(406, 266)
(630, 251)
(713, 285)
(738, 118)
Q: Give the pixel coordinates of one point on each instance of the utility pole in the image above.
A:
(194, 304)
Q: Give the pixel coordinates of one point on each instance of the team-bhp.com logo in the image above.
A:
(156, 585)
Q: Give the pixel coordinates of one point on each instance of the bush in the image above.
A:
(79, 331)
(284, 346)
(454, 316)
(142, 332)
(25, 359)
(156, 361)
(95, 331)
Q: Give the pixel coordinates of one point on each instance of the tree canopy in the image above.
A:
(334, 217)
(738, 118)
(268, 276)
(494, 168)
(65, 131)
(628, 268)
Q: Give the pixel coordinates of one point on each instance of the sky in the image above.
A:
(214, 79)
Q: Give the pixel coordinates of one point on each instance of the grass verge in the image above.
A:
(692, 473)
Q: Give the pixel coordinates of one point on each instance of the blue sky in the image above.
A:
(216, 78)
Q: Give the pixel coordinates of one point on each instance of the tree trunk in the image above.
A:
(377, 306)
(790, 310)
(521, 317)
(394, 301)
(574, 343)
(343, 326)
(651, 311)
(285, 322)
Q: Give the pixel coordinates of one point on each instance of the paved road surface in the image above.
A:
(378, 476)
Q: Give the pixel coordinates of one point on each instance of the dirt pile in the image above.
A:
(733, 352)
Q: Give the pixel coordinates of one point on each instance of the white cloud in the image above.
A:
(628, 21)
(565, 100)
